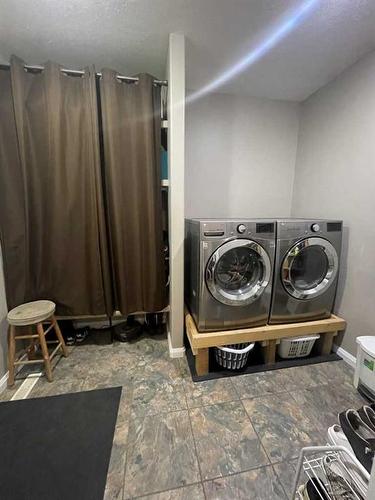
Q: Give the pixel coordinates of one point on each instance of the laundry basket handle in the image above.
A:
(237, 351)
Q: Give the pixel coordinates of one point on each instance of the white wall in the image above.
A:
(335, 177)
(3, 323)
(176, 161)
(240, 156)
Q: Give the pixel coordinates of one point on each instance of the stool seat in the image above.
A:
(31, 313)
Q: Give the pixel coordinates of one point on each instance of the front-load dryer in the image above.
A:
(228, 272)
(306, 269)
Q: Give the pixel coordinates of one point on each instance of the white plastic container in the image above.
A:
(365, 365)
(296, 347)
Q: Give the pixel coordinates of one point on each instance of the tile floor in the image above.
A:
(232, 438)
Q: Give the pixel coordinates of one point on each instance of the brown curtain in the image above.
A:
(52, 225)
(131, 140)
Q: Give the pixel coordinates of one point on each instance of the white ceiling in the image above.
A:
(132, 36)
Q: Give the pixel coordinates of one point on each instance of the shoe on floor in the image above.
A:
(82, 334)
(341, 484)
(360, 436)
(70, 338)
(367, 414)
(336, 437)
(313, 490)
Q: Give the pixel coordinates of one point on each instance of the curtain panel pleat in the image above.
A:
(52, 224)
(131, 141)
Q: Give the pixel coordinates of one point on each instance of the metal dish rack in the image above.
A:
(310, 466)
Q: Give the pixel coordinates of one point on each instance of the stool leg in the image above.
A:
(59, 336)
(11, 354)
(43, 345)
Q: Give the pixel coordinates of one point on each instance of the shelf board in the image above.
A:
(165, 183)
(164, 124)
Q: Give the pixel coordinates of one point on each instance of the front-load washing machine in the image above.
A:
(306, 269)
(228, 272)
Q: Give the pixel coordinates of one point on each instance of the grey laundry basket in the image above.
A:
(234, 356)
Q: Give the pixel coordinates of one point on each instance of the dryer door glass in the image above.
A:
(309, 268)
(238, 272)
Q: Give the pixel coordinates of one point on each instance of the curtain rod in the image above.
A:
(80, 72)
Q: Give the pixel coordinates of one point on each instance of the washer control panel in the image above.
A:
(241, 228)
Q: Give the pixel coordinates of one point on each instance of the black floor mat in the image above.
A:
(58, 447)
(255, 364)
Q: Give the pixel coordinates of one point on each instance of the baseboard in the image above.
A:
(4, 378)
(27, 386)
(345, 355)
(175, 352)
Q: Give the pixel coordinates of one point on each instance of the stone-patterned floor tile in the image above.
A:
(123, 416)
(286, 472)
(158, 388)
(104, 378)
(261, 384)
(63, 385)
(116, 472)
(9, 392)
(110, 494)
(155, 396)
(225, 439)
(347, 370)
(302, 377)
(184, 368)
(209, 392)
(116, 469)
(154, 347)
(192, 492)
(257, 484)
(324, 403)
(282, 425)
(318, 405)
(337, 371)
(166, 368)
(160, 454)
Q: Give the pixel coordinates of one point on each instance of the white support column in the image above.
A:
(176, 164)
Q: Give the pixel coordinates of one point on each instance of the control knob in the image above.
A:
(241, 228)
(315, 228)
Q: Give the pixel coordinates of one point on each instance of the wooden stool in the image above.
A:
(33, 313)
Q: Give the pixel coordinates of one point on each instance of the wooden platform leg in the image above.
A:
(324, 344)
(11, 354)
(269, 352)
(59, 336)
(201, 361)
(43, 345)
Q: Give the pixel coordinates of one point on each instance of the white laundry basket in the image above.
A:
(365, 366)
(296, 347)
(233, 357)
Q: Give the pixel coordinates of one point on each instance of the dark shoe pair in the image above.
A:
(359, 428)
(82, 334)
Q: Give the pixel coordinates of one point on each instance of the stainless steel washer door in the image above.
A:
(309, 268)
(238, 272)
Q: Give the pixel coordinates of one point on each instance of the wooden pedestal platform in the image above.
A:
(268, 335)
